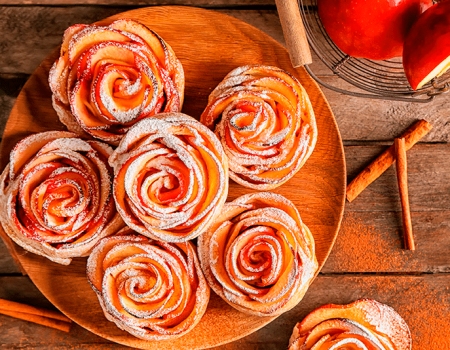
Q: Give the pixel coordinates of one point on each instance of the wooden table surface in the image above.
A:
(367, 259)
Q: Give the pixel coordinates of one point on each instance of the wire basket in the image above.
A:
(380, 79)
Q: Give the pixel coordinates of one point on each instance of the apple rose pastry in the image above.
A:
(265, 122)
(171, 177)
(151, 289)
(259, 256)
(56, 195)
(365, 324)
(109, 77)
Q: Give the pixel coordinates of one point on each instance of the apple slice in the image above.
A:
(91, 35)
(106, 52)
(68, 34)
(369, 315)
(426, 52)
(158, 45)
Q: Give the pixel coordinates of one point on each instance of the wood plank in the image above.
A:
(10, 85)
(428, 179)
(318, 190)
(370, 238)
(373, 220)
(47, 23)
(373, 242)
(370, 120)
(198, 3)
(7, 263)
(30, 33)
(423, 301)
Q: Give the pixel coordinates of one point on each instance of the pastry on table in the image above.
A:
(109, 77)
(363, 324)
(171, 177)
(259, 256)
(265, 122)
(56, 195)
(152, 289)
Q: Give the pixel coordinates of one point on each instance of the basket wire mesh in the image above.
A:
(380, 79)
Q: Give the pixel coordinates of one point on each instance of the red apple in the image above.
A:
(427, 47)
(374, 29)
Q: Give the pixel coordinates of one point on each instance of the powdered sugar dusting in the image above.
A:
(140, 281)
(108, 118)
(175, 146)
(246, 256)
(279, 131)
(73, 211)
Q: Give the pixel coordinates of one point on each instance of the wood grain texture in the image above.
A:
(428, 179)
(10, 86)
(430, 292)
(358, 119)
(198, 3)
(47, 23)
(371, 242)
(317, 190)
(373, 220)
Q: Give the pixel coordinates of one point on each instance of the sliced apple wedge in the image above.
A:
(105, 52)
(426, 52)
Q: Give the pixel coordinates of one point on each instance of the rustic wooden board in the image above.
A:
(370, 238)
(423, 301)
(428, 179)
(369, 243)
(199, 3)
(209, 45)
(358, 119)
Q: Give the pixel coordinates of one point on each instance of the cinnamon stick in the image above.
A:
(37, 315)
(386, 159)
(402, 178)
(45, 321)
(28, 309)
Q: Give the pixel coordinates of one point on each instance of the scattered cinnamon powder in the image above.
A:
(423, 302)
(365, 248)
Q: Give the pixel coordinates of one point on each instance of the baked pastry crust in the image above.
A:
(109, 77)
(265, 122)
(363, 324)
(56, 195)
(152, 289)
(259, 256)
(171, 177)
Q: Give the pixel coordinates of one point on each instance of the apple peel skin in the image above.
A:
(109, 77)
(171, 177)
(370, 29)
(56, 195)
(265, 121)
(259, 256)
(365, 323)
(151, 289)
(426, 51)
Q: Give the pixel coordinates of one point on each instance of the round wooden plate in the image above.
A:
(209, 45)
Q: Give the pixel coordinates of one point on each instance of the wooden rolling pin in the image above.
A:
(294, 32)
